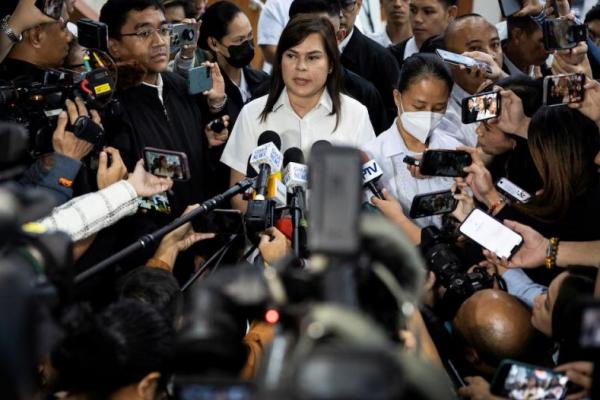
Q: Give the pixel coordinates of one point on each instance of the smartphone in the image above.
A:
(183, 35)
(52, 8)
(220, 221)
(480, 107)
(509, 7)
(212, 390)
(513, 191)
(216, 125)
(490, 234)
(589, 338)
(457, 59)
(515, 380)
(199, 80)
(435, 203)
(448, 163)
(411, 161)
(158, 203)
(562, 33)
(92, 34)
(563, 89)
(167, 163)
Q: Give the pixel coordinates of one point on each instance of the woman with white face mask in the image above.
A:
(421, 98)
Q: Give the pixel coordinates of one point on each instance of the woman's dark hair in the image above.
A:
(296, 31)
(420, 66)
(563, 144)
(529, 90)
(154, 286)
(120, 346)
(215, 22)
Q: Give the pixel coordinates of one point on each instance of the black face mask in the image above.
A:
(240, 55)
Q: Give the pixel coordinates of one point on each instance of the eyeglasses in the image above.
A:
(144, 34)
(348, 7)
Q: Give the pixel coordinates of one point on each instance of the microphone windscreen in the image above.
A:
(320, 144)
(269, 136)
(293, 154)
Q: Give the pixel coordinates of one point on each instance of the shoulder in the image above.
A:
(375, 146)
(350, 105)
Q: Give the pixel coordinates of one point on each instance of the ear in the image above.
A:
(517, 34)
(471, 355)
(146, 389)
(212, 43)
(397, 98)
(597, 159)
(452, 13)
(35, 36)
(114, 48)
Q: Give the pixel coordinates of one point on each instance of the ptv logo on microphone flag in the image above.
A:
(266, 154)
(296, 175)
(371, 171)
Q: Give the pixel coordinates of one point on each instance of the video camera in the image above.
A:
(450, 272)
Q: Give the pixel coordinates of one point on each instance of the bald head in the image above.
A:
(493, 325)
(472, 32)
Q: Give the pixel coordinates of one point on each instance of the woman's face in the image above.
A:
(543, 305)
(492, 140)
(238, 31)
(305, 67)
(426, 94)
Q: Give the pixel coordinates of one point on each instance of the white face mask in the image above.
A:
(419, 123)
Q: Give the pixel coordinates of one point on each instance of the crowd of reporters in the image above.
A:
(315, 298)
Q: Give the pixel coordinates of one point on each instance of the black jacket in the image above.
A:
(370, 60)
(364, 91)
(257, 84)
(397, 50)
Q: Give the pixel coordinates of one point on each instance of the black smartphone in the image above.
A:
(92, 34)
(562, 33)
(411, 161)
(435, 203)
(448, 163)
(220, 221)
(481, 107)
(563, 89)
(52, 8)
(183, 34)
(509, 7)
(167, 163)
(491, 234)
(515, 380)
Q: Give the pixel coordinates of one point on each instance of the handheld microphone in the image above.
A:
(371, 173)
(266, 159)
(296, 181)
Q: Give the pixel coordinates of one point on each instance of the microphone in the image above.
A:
(266, 159)
(296, 181)
(371, 173)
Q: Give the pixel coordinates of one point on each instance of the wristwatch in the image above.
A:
(4, 27)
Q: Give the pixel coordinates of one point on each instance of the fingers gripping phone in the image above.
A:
(563, 89)
(199, 80)
(513, 191)
(458, 59)
(515, 380)
(481, 107)
(167, 163)
(435, 203)
(52, 8)
(450, 163)
(490, 234)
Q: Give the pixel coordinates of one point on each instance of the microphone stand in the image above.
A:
(219, 253)
(150, 238)
(296, 208)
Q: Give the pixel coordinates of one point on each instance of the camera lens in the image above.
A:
(188, 35)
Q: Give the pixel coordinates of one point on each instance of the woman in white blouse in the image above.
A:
(304, 104)
(422, 97)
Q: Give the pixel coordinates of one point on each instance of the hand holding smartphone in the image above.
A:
(515, 380)
(435, 203)
(167, 163)
(481, 107)
(490, 234)
(458, 59)
(563, 33)
(51, 8)
(563, 89)
(449, 163)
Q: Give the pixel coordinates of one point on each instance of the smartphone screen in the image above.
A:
(52, 8)
(435, 203)
(199, 80)
(168, 164)
(481, 107)
(516, 381)
(448, 163)
(220, 221)
(590, 326)
(158, 203)
(456, 59)
(208, 391)
(563, 89)
(490, 234)
(509, 7)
